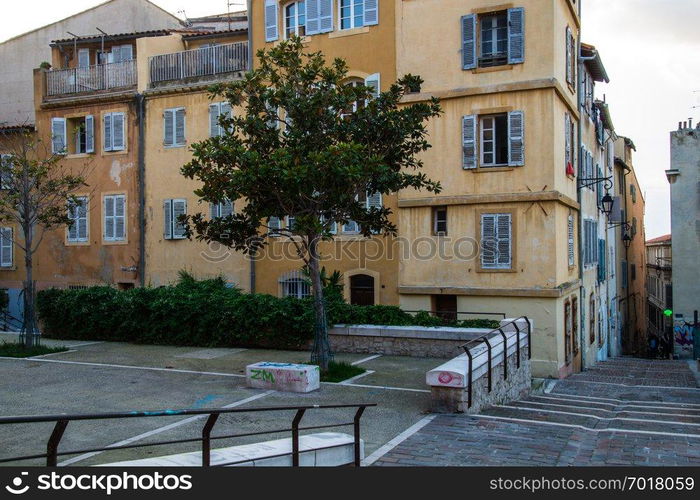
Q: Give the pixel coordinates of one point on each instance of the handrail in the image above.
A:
(62, 421)
(485, 339)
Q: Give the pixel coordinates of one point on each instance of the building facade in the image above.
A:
(660, 289)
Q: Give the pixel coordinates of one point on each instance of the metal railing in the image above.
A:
(486, 339)
(91, 78)
(199, 62)
(62, 421)
(8, 323)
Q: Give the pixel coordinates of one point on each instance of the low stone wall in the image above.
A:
(420, 342)
(449, 382)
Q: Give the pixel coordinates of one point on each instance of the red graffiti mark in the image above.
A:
(445, 377)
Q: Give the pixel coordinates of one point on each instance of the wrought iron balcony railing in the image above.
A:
(91, 78)
(197, 63)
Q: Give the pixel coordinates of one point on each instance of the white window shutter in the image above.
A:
(179, 208)
(214, 210)
(516, 138)
(469, 142)
(516, 35)
(225, 111)
(118, 131)
(214, 111)
(119, 218)
(83, 219)
(73, 215)
(58, 135)
(6, 247)
(271, 30)
(83, 58)
(107, 121)
(168, 219)
(109, 218)
(226, 208)
(325, 17)
(89, 134)
(488, 240)
(569, 56)
(504, 243)
(469, 60)
(374, 82)
(567, 141)
(180, 126)
(371, 12)
(168, 127)
(313, 17)
(570, 240)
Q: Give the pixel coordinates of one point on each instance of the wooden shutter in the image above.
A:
(180, 126)
(504, 241)
(374, 200)
(214, 111)
(168, 219)
(325, 10)
(225, 112)
(313, 17)
(567, 142)
(214, 210)
(6, 247)
(58, 135)
(179, 208)
(569, 56)
(374, 83)
(371, 12)
(226, 208)
(119, 218)
(107, 129)
(469, 142)
(469, 60)
(109, 218)
(82, 210)
(168, 127)
(118, 132)
(271, 30)
(516, 35)
(570, 240)
(516, 138)
(89, 134)
(73, 215)
(488, 240)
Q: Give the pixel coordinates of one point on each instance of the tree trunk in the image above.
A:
(321, 353)
(29, 316)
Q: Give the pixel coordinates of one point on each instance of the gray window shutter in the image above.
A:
(374, 200)
(168, 219)
(214, 110)
(89, 134)
(271, 31)
(469, 141)
(516, 35)
(6, 247)
(374, 82)
(569, 56)
(180, 126)
(469, 41)
(325, 18)
(214, 210)
(504, 243)
(117, 131)
(179, 208)
(570, 240)
(313, 17)
(516, 138)
(168, 127)
(488, 240)
(119, 218)
(58, 135)
(226, 208)
(107, 120)
(371, 12)
(567, 141)
(82, 219)
(274, 224)
(225, 111)
(109, 217)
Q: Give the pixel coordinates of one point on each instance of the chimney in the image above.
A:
(680, 125)
(690, 123)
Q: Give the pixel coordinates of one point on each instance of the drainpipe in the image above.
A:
(249, 7)
(627, 258)
(579, 199)
(141, 117)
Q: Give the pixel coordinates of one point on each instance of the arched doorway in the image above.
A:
(362, 290)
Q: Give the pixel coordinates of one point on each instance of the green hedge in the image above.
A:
(205, 313)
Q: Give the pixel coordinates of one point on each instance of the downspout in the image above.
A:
(579, 199)
(249, 7)
(627, 259)
(141, 117)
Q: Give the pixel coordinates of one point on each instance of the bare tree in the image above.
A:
(36, 195)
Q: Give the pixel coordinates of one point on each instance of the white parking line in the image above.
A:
(159, 430)
(85, 343)
(383, 450)
(52, 354)
(368, 358)
(625, 419)
(352, 379)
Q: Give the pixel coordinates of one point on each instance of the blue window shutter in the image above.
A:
(469, 142)
(516, 35)
(516, 138)
(271, 31)
(469, 41)
(313, 17)
(371, 12)
(325, 16)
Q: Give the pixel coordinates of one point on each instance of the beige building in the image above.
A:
(659, 287)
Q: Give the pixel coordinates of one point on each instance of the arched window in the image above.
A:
(294, 284)
(295, 19)
(362, 290)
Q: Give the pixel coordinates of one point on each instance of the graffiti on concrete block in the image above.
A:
(262, 375)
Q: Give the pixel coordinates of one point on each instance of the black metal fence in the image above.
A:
(62, 421)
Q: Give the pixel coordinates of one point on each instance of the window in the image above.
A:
(362, 290)
(319, 16)
(568, 336)
(440, 221)
(591, 319)
(172, 210)
(633, 193)
(58, 135)
(633, 272)
(221, 209)
(290, 222)
(574, 323)
(83, 58)
(174, 127)
(216, 110)
(294, 284)
(500, 140)
(115, 217)
(570, 57)
(118, 53)
(274, 225)
(496, 241)
(369, 201)
(570, 135)
(82, 131)
(78, 214)
(493, 39)
(114, 131)
(358, 13)
(590, 242)
(6, 257)
(586, 165)
(570, 241)
(295, 19)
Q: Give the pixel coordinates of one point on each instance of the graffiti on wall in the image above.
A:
(683, 336)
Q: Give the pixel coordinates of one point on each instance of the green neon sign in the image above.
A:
(668, 312)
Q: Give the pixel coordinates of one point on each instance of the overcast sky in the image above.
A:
(650, 48)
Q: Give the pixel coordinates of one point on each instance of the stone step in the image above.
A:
(611, 412)
(592, 390)
(637, 378)
(617, 405)
(592, 422)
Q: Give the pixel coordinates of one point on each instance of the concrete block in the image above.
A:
(288, 377)
(450, 374)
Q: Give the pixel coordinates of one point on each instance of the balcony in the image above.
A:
(196, 65)
(96, 78)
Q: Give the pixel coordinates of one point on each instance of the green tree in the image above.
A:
(35, 193)
(310, 147)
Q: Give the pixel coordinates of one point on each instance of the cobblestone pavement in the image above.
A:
(622, 412)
